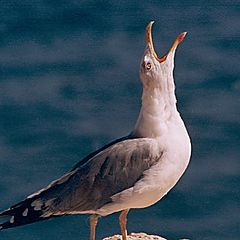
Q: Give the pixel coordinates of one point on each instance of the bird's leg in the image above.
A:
(93, 224)
(123, 223)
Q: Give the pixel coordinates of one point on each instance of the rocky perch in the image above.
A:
(138, 236)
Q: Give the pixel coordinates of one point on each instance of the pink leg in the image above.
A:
(123, 223)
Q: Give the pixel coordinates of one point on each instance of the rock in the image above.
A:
(136, 236)
(139, 236)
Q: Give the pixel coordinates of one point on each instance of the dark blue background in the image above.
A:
(69, 84)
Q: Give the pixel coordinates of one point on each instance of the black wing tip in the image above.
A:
(21, 214)
(4, 214)
(6, 221)
(4, 226)
(17, 221)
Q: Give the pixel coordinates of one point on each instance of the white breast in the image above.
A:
(160, 178)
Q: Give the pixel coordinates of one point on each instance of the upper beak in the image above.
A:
(149, 43)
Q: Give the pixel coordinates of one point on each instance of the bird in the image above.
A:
(134, 171)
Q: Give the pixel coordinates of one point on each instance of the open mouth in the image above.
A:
(149, 42)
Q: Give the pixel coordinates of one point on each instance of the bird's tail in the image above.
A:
(28, 211)
(36, 207)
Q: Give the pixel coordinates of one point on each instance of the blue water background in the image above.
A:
(69, 84)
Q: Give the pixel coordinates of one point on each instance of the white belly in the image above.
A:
(157, 181)
(160, 178)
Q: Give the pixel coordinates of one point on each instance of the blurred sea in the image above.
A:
(69, 84)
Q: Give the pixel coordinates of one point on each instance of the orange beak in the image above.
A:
(149, 42)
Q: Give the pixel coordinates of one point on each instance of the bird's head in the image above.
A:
(158, 71)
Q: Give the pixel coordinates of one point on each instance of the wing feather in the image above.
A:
(91, 183)
(110, 171)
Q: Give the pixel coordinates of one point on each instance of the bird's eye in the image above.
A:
(148, 66)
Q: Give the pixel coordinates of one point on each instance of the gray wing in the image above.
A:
(90, 184)
(111, 171)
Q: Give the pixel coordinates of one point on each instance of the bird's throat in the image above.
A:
(158, 109)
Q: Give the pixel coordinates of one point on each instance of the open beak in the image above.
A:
(149, 43)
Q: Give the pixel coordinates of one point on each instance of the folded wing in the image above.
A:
(90, 185)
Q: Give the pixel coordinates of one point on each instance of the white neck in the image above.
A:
(158, 109)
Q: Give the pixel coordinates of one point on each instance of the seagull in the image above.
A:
(134, 171)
